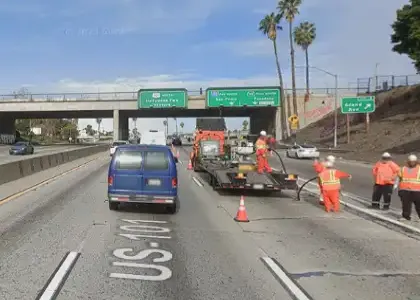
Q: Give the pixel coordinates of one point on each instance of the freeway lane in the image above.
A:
(207, 250)
(207, 254)
(333, 256)
(5, 157)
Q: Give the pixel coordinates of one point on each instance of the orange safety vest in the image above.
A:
(385, 173)
(329, 180)
(410, 180)
(260, 144)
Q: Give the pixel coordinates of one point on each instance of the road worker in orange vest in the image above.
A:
(262, 149)
(331, 185)
(384, 173)
(409, 187)
(319, 166)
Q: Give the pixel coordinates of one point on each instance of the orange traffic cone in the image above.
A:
(189, 165)
(241, 215)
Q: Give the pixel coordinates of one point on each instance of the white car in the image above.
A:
(115, 145)
(302, 151)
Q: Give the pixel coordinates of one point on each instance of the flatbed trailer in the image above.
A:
(225, 178)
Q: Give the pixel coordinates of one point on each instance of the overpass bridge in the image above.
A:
(261, 104)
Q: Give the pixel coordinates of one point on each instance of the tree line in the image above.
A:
(406, 32)
(302, 35)
(55, 129)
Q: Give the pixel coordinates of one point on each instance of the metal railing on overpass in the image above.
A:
(124, 96)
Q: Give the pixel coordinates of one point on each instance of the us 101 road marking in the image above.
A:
(128, 255)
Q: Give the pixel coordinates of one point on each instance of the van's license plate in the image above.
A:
(154, 182)
(258, 186)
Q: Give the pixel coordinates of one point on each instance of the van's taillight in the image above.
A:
(110, 180)
(174, 182)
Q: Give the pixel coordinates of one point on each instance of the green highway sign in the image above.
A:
(239, 97)
(162, 98)
(358, 105)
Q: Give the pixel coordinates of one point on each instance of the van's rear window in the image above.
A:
(156, 161)
(128, 160)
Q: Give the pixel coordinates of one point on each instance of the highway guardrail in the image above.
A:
(15, 170)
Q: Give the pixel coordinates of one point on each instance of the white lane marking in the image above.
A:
(144, 221)
(165, 273)
(372, 214)
(145, 228)
(165, 255)
(140, 237)
(59, 276)
(285, 279)
(197, 182)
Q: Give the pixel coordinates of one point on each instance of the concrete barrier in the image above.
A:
(18, 169)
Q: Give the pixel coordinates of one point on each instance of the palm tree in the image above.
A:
(165, 123)
(289, 9)
(176, 125)
(304, 36)
(99, 121)
(245, 125)
(182, 126)
(269, 26)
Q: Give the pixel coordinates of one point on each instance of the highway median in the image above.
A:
(18, 169)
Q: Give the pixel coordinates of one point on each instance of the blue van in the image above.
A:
(143, 174)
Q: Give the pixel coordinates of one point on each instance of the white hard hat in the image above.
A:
(386, 155)
(412, 158)
(263, 133)
(329, 164)
(331, 158)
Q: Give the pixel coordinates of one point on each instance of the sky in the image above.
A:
(124, 45)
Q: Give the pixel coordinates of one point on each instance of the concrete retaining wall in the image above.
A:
(18, 169)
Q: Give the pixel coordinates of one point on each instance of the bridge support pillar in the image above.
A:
(116, 124)
(124, 128)
(7, 129)
(120, 126)
(264, 119)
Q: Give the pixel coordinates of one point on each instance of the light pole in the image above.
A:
(335, 101)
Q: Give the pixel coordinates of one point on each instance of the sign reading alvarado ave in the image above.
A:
(162, 98)
(239, 97)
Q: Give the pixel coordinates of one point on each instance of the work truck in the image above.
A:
(230, 166)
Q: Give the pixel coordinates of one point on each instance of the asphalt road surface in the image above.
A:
(65, 228)
(5, 157)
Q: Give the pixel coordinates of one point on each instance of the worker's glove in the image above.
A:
(350, 177)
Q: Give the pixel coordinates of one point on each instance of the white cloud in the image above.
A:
(247, 47)
(122, 16)
(188, 81)
(351, 39)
